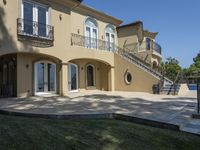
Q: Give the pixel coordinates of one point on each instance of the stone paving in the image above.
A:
(164, 108)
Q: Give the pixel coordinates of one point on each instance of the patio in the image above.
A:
(164, 108)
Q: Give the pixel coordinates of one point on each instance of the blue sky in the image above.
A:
(177, 21)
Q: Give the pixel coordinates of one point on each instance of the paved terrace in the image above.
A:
(165, 108)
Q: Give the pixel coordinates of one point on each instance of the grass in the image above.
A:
(17, 133)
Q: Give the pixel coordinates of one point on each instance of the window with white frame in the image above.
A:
(91, 33)
(110, 37)
(35, 18)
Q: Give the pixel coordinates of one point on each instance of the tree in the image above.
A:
(194, 70)
(171, 68)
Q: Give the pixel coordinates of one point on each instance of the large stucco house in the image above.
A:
(51, 46)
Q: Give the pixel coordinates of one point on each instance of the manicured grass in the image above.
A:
(40, 134)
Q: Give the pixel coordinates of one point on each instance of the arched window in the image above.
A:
(91, 33)
(110, 37)
(90, 74)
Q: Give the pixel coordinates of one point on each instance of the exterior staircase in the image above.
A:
(141, 64)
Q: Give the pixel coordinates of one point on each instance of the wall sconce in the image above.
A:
(60, 17)
(98, 68)
(27, 66)
(78, 31)
(4, 2)
(81, 68)
(102, 37)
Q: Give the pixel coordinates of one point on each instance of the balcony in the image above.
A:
(155, 47)
(92, 43)
(145, 46)
(36, 34)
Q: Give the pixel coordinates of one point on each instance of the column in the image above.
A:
(64, 79)
(111, 79)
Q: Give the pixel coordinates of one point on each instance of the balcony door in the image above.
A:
(91, 33)
(35, 18)
(110, 38)
(45, 77)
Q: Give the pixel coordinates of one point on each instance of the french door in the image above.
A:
(73, 78)
(35, 18)
(110, 41)
(91, 37)
(45, 77)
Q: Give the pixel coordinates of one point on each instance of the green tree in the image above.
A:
(171, 68)
(194, 70)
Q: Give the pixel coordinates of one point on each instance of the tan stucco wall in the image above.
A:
(110, 75)
(101, 74)
(8, 26)
(127, 36)
(25, 72)
(70, 23)
(78, 20)
(142, 81)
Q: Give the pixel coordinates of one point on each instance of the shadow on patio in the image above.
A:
(101, 103)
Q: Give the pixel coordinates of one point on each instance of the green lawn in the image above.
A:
(40, 134)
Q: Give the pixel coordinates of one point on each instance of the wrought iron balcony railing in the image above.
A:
(136, 47)
(92, 43)
(156, 47)
(38, 33)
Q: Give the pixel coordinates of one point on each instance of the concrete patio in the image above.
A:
(163, 108)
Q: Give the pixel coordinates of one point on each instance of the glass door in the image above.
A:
(35, 18)
(110, 41)
(45, 78)
(28, 17)
(107, 41)
(73, 78)
(94, 38)
(88, 37)
(91, 37)
(42, 21)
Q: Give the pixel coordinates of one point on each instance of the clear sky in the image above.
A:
(177, 21)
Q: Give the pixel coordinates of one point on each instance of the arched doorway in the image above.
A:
(90, 75)
(45, 77)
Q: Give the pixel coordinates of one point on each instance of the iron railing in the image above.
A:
(28, 29)
(92, 43)
(136, 47)
(156, 47)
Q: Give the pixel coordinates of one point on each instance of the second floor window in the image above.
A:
(35, 18)
(110, 37)
(91, 33)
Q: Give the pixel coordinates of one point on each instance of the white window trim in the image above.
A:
(91, 31)
(45, 74)
(110, 34)
(35, 10)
